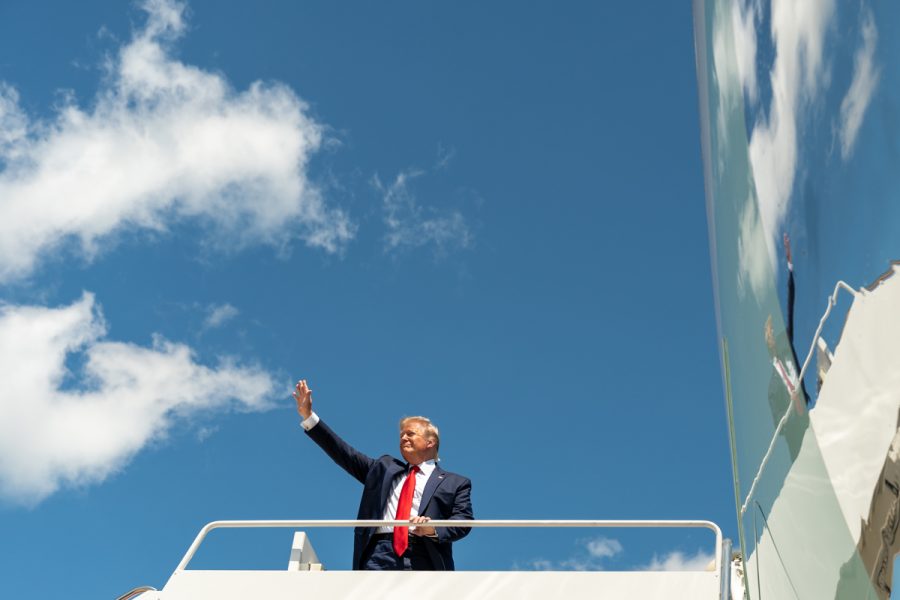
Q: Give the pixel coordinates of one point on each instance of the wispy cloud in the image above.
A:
(409, 224)
(218, 314)
(595, 554)
(679, 561)
(862, 87)
(161, 142)
(205, 432)
(590, 555)
(13, 124)
(62, 426)
(603, 547)
(444, 156)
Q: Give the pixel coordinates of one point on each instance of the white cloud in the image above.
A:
(538, 564)
(13, 123)
(590, 556)
(411, 225)
(204, 433)
(75, 427)
(797, 77)
(162, 141)
(602, 547)
(678, 561)
(444, 156)
(218, 315)
(862, 87)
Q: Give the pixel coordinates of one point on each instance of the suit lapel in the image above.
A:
(387, 484)
(436, 479)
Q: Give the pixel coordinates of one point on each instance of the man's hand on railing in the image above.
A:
(426, 531)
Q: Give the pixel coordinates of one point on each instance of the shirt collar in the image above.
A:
(427, 467)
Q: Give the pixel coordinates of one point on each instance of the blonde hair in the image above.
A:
(431, 430)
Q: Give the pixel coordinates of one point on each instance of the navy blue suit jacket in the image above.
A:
(446, 495)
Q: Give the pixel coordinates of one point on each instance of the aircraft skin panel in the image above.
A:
(859, 394)
(798, 552)
(800, 141)
(860, 449)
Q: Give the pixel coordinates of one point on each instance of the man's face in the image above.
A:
(414, 445)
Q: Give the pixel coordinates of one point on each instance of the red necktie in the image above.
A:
(401, 534)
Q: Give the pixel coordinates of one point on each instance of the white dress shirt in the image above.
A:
(310, 422)
(390, 511)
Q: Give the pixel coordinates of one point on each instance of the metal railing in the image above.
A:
(831, 302)
(457, 523)
(136, 592)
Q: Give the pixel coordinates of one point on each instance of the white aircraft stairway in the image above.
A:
(306, 577)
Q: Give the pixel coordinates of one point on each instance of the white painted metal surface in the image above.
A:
(832, 300)
(432, 585)
(796, 556)
(856, 415)
(836, 472)
(303, 556)
(187, 584)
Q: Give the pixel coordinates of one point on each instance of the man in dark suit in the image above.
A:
(416, 490)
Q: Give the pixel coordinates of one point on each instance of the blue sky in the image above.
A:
(489, 214)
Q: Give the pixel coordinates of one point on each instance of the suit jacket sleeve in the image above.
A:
(346, 456)
(462, 509)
